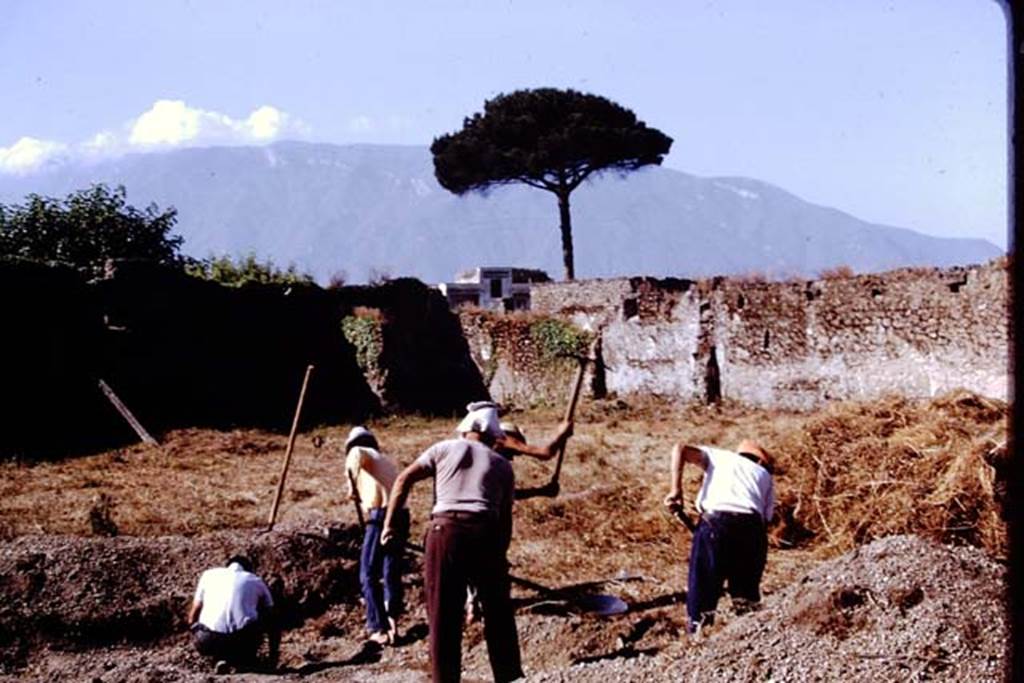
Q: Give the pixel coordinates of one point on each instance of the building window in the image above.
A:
(496, 288)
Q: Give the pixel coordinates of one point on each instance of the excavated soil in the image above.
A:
(99, 555)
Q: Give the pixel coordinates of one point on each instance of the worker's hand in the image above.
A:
(386, 535)
(549, 490)
(353, 496)
(674, 500)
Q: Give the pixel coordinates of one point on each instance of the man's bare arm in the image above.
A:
(681, 454)
(400, 493)
(193, 613)
(545, 452)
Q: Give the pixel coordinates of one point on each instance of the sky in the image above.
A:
(894, 111)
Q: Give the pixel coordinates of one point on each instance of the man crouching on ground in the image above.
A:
(231, 612)
(466, 540)
(730, 545)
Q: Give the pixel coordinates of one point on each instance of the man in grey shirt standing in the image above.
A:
(466, 541)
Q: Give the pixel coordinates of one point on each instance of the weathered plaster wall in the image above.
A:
(524, 359)
(917, 332)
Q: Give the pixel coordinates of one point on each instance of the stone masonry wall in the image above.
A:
(917, 332)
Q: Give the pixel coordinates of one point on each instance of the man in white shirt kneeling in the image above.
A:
(231, 612)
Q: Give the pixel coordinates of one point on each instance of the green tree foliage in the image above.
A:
(246, 269)
(86, 228)
(549, 139)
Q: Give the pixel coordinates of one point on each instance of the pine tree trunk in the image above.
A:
(566, 228)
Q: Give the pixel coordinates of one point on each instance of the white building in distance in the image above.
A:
(498, 288)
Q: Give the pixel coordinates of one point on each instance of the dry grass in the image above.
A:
(856, 472)
(845, 475)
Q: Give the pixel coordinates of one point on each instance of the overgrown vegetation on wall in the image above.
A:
(556, 338)
(525, 358)
(246, 270)
(363, 330)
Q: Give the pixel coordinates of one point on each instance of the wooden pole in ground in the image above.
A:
(574, 398)
(127, 414)
(288, 451)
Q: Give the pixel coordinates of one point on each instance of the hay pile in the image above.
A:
(861, 471)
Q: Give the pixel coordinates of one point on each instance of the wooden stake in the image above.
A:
(574, 398)
(127, 414)
(288, 451)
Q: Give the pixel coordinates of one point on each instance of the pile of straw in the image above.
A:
(860, 471)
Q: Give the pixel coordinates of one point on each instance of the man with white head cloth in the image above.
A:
(466, 541)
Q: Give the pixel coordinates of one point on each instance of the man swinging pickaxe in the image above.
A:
(512, 442)
(574, 397)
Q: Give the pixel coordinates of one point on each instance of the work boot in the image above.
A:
(221, 667)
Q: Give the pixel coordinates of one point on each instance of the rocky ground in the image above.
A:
(899, 608)
(99, 555)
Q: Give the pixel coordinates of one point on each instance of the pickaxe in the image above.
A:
(570, 410)
(677, 513)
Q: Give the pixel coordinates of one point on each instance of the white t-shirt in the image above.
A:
(733, 483)
(231, 598)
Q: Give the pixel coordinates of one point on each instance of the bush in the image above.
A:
(86, 229)
(245, 270)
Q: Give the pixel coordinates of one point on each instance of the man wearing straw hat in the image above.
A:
(466, 541)
(730, 546)
(370, 476)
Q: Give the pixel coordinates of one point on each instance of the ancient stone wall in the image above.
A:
(525, 359)
(918, 332)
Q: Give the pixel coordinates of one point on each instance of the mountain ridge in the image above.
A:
(371, 209)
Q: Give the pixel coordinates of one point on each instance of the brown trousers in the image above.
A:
(461, 549)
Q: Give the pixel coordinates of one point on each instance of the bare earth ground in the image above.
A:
(81, 606)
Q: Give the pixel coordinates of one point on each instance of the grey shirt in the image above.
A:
(469, 477)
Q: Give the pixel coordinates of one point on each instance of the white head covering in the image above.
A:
(512, 429)
(483, 420)
(358, 433)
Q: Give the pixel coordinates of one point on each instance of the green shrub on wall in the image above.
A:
(556, 338)
(362, 329)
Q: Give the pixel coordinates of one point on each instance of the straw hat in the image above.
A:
(751, 447)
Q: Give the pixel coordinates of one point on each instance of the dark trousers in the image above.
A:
(728, 549)
(381, 569)
(237, 648)
(468, 549)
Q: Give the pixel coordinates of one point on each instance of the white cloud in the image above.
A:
(28, 154)
(168, 123)
(174, 123)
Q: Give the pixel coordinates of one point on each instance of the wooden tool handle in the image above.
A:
(288, 450)
(574, 398)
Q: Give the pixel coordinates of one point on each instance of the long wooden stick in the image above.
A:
(127, 414)
(288, 451)
(570, 411)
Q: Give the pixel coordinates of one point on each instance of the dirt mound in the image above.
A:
(900, 608)
(70, 593)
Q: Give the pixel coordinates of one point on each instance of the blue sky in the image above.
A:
(894, 111)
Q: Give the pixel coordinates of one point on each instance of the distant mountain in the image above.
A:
(363, 209)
